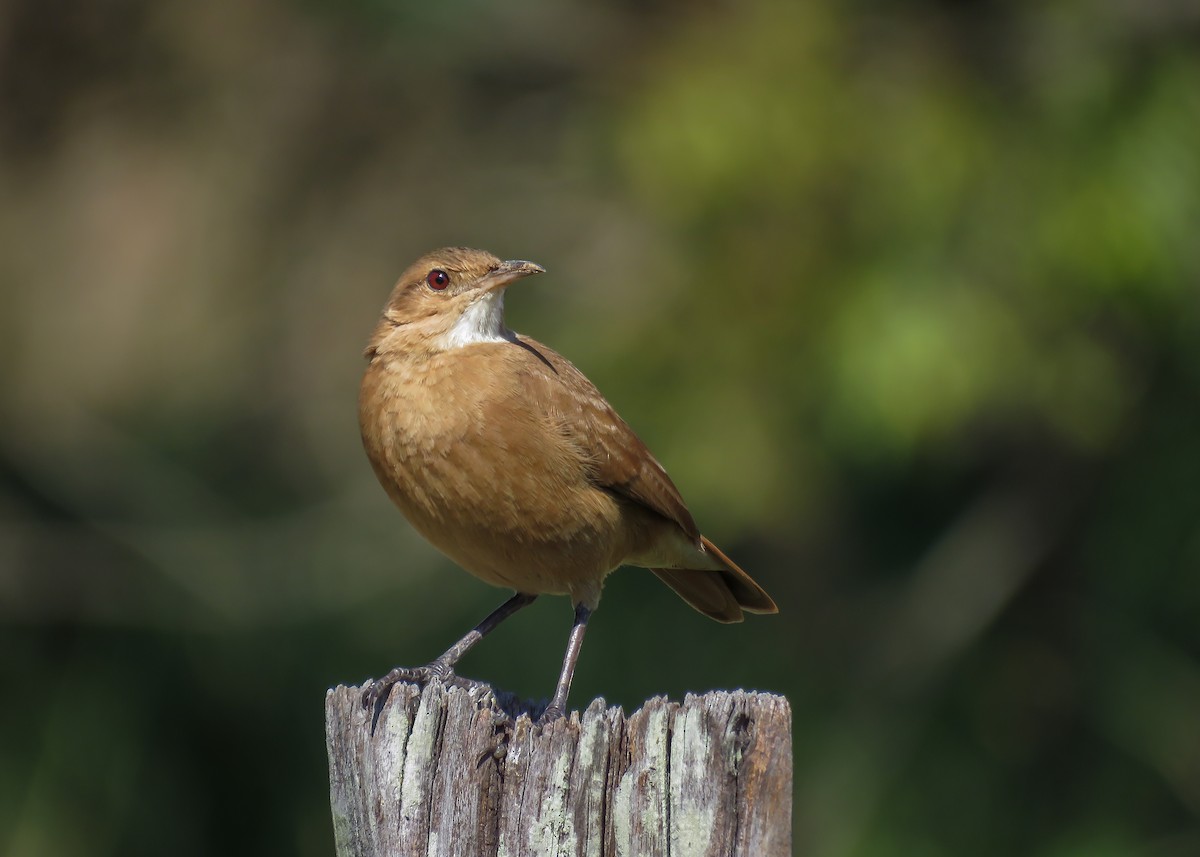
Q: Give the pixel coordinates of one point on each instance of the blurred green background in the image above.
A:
(904, 295)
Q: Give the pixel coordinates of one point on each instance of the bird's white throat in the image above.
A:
(482, 321)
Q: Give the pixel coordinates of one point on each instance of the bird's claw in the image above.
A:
(379, 689)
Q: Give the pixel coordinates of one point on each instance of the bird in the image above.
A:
(509, 461)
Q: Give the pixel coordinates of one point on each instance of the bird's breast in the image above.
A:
(482, 461)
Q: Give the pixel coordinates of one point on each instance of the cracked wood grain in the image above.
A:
(445, 770)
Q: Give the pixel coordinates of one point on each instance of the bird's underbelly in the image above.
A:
(536, 551)
(542, 567)
(530, 522)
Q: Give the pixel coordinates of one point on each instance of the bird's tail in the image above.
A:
(722, 593)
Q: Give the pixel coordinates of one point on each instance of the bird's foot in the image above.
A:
(378, 690)
(553, 712)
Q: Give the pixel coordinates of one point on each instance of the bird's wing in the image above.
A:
(620, 462)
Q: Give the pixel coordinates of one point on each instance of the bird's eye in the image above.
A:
(438, 279)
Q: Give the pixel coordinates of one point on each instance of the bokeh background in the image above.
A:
(905, 296)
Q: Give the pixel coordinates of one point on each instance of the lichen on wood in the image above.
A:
(462, 771)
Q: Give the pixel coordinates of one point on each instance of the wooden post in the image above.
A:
(446, 770)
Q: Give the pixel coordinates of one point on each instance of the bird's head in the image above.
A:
(449, 298)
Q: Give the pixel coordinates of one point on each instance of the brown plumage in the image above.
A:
(507, 459)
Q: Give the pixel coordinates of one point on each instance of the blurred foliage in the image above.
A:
(904, 295)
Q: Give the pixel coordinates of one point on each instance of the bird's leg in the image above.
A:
(558, 705)
(443, 666)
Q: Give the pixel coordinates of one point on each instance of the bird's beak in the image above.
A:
(508, 272)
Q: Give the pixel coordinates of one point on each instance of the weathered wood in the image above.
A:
(447, 770)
